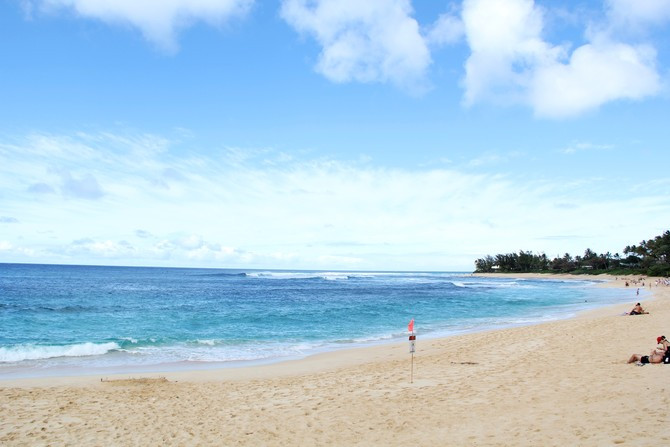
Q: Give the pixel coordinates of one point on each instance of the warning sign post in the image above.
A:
(412, 347)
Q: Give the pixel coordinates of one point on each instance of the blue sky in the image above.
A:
(323, 134)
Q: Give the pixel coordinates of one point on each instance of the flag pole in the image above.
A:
(411, 376)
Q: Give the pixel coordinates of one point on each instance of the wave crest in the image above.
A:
(36, 352)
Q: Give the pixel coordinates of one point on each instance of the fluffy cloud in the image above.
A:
(596, 73)
(158, 20)
(365, 41)
(510, 62)
(505, 44)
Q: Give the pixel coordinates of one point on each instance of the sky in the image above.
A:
(330, 134)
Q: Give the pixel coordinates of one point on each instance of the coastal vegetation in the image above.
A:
(650, 257)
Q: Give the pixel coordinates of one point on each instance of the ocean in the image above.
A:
(68, 320)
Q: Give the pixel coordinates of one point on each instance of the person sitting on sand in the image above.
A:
(664, 348)
(656, 355)
(637, 310)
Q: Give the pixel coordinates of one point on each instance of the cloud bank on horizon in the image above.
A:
(510, 60)
(142, 200)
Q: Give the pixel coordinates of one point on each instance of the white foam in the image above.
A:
(339, 275)
(36, 352)
(332, 277)
(301, 275)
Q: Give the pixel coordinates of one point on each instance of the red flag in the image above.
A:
(410, 326)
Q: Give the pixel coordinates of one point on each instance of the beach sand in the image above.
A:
(554, 384)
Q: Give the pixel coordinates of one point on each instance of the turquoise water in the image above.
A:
(82, 318)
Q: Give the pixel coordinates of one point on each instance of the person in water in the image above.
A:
(637, 310)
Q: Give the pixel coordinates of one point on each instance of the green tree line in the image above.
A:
(650, 257)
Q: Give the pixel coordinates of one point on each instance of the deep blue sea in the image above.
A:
(57, 319)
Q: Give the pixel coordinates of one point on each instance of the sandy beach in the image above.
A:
(559, 383)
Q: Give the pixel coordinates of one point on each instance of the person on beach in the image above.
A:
(664, 348)
(637, 310)
(656, 355)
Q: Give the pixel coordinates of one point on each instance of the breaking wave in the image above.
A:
(37, 352)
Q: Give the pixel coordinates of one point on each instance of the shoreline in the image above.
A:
(555, 383)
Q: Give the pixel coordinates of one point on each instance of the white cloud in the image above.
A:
(191, 242)
(585, 146)
(506, 47)
(596, 74)
(158, 20)
(12, 250)
(365, 41)
(447, 29)
(510, 62)
(100, 248)
(380, 41)
(296, 213)
(217, 252)
(638, 13)
(487, 159)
